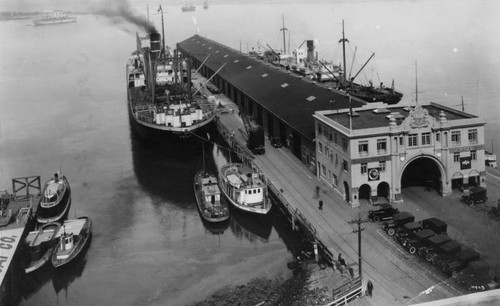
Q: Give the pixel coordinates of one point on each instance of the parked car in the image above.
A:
(397, 221)
(432, 243)
(275, 141)
(438, 226)
(459, 261)
(475, 270)
(417, 239)
(435, 224)
(383, 213)
(474, 195)
(444, 252)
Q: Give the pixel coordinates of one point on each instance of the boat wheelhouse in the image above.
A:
(55, 201)
(213, 207)
(244, 188)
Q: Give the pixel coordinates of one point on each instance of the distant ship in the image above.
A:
(188, 7)
(161, 101)
(57, 17)
(205, 5)
(244, 188)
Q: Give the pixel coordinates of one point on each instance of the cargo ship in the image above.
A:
(57, 17)
(16, 219)
(160, 98)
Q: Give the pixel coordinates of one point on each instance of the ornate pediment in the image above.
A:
(419, 117)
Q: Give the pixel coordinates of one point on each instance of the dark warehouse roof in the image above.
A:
(286, 95)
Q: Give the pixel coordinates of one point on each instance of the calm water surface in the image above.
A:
(63, 106)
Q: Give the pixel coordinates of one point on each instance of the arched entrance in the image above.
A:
(365, 192)
(422, 171)
(383, 190)
(346, 192)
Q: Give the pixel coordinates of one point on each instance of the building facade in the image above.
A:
(372, 153)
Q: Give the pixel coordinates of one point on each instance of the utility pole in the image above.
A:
(358, 221)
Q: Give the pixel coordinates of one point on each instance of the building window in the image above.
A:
(438, 136)
(455, 138)
(335, 181)
(336, 160)
(345, 166)
(426, 139)
(363, 168)
(381, 145)
(330, 136)
(401, 140)
(473, 154)
(320, 129)
(344, 143)
(335, 138)
(323, 170)
(473, 136)
(381, 166)
(320, 147)
(412, 140)
(363, 148)
(456, 157)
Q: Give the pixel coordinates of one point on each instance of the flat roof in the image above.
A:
(285, 94)
(380, 117)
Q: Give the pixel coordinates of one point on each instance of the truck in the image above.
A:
(397, 221)
(474, 195)
(255, 136)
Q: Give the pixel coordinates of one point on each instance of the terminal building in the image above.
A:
(372, 153)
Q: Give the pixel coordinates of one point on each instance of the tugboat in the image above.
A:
(244, 188)
(40, 245)
(213, 207)
(73, 237)
(56, 200)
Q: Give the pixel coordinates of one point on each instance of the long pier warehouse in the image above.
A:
(446, 142)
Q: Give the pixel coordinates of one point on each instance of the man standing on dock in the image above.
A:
(320, 204)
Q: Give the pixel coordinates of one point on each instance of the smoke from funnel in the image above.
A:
(122, 9)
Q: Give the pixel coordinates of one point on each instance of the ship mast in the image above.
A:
(162, 32)
(284, 29)
(343, 40)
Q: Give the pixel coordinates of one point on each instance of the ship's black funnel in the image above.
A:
(155, 39)
(310, 50)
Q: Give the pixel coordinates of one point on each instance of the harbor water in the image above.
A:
(63, 107)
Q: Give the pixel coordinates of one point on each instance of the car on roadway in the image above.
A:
(384, 212)
(399, 219)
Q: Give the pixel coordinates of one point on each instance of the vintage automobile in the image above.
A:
(474, 195)
(459, 261)
(416, 239)
(275, 141)
(397, 221)
(383, 213)
(403, 233)
(444, 252)
(432, 243)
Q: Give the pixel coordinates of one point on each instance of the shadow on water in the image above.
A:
(161, 168)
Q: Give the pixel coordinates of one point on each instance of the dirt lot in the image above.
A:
(472, 226)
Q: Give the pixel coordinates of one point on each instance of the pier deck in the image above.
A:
(398, 277)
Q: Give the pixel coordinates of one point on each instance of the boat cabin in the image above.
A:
(54, 191)
(211, 191)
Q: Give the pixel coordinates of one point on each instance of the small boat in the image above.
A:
(213, 207)
(73, 237)
(55, 201)
(244, 188)
(40, 245)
